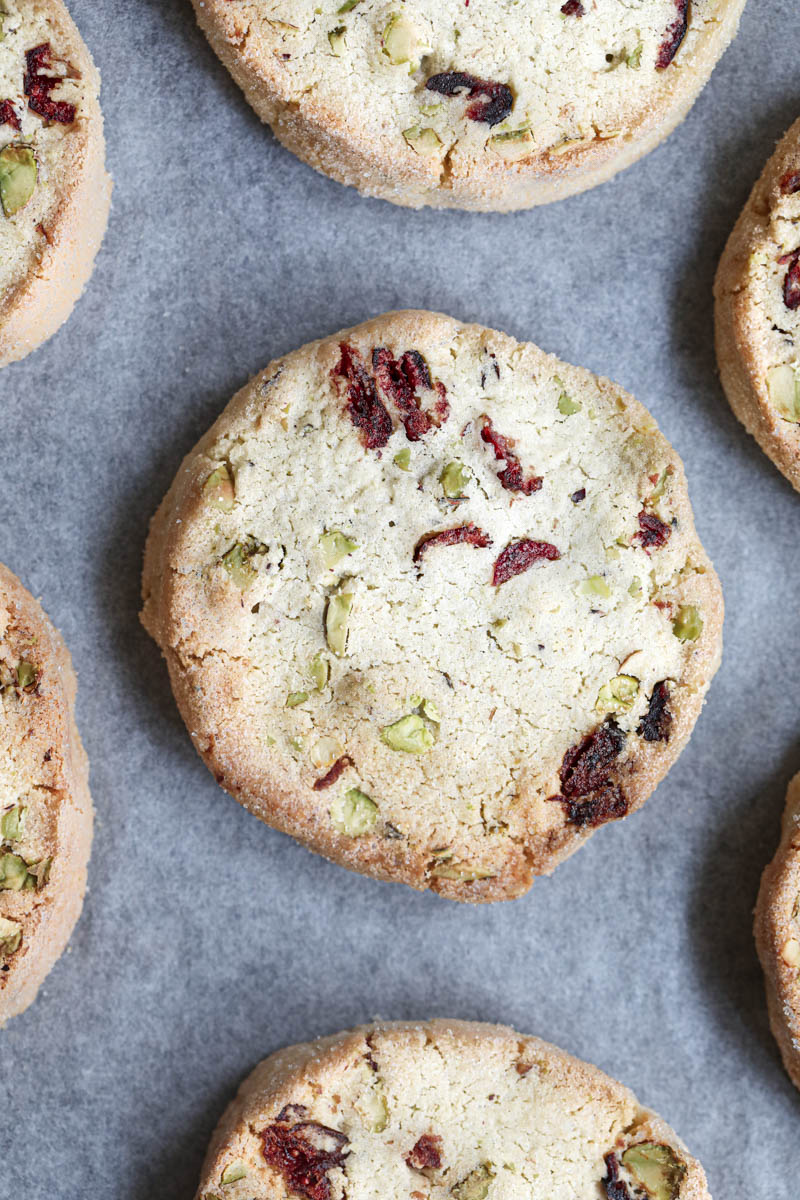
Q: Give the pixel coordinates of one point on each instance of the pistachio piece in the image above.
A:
(13, 873)
(326, 751)
(354, 813)
(657, 1168)
(567, 406)
(10, 936)
(454, 478)
(635, 588)
(337, 618)
(27, 674)
(791, 952)
(218, 489)
(403, 459)
(12, 823)
(461, 873)
(618, 695)
(514, 145)
(320, 671)
(410, 734)
(18, 173)
(295, 698)
(595, 585)
(401, 41)
(237, 561)
(476, 1185)
(336, 40)
(335, 546)
(373, 1110)
(233, 1173)
(38, 874)
(425, 141)
(347, 6)
(431, 711)
(784, 391)
(634, 59)
(688, 624)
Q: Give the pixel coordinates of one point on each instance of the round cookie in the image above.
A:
(45, 807)
(436, 1111)
(777, 930)
(757, 292)
(487, 106)
(54, 190)
(433, 603)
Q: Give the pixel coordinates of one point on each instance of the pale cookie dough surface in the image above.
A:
(441, 1109)
(48, 243)
(758, 310)
(493, 105)
(412, 708)
(777, 930)
(45, 808)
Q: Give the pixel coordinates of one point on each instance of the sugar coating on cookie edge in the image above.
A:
(433, 602)
(441, 1110)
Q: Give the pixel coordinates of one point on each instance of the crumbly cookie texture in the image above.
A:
(45, 808)
(757, 294)
(777, 930)
(488, 106)
(433, 602)
(54, 190)
(440, 1110)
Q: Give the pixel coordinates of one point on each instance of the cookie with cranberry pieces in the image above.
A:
(45, 808)
(450, 1110)
(484, 106)
(54, 190)
(433, 603)
(777, 930)
(757, 294)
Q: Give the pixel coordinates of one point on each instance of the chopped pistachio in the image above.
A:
(476, 1185)
(784, 391)
(38, 873)
(454, 478)
(18, 173)
(657, 1168)
(326, 751)
(13, 873)
(635, 588)
(26, 675)
(337, 41)
(431, 711)
(460, 873)
(295, 698)
(425, 141)
(373, 1110)
(403, 459)
(618, 695)
(595, 585)
(337, 618)
(400, 41)
(218, 489)
(410, 734)
(298, 744)
(335, 546)
(233, 1173)
(634, 59)
(354, 813)
(237, 561)
(567, 406)
(514, 145)
(320, 671)
(10, 936)
(12, 823)
(688, 624)
(347, 6)
(661, 485)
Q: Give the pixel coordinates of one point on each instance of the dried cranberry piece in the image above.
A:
(8, 115)
(491, 102)
(470, 534)
(518, 556)
(366, 409)
(675, 34)
(791, 284)
(427, 1153)
(790, 183)
(511, 477)
(401, 379)
(576, 497)
(656, 723)
(588, 793)
(573, 8)
(652, 531)
(38, 87)
(333, 774)
(303, 1153)
(616, 1188)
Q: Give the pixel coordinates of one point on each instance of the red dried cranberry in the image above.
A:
(791, 284)
(329, 779)
(675, 34)
(511, 477)
(588, 793)
(8, 115)
(790, 183)
(38, 86)
(366, 409)
(491, 102)
(576, 497)
(652, 531)
(616, 1188)
(656, 723)
(573, 8)
(427, 1153)
(470, 534)
(303, 1154)
(401, 379)
(518, 556)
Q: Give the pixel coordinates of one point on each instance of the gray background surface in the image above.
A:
(208, 940)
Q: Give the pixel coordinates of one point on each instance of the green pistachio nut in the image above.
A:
(218, 489)
(233, 1173)
(595, 585)
(634, 59)
(374, 1110)
(10, 936)
(27, 674)
(335, 546)
(476, 1185)
(238, 561)
(337, 621)
(618, 695)
(783, 384)
(320, 671)
(348, 6)
(460, 872)
(514, 145)
(431, 711)
(18, 174)
(454, 478)
(657, 1168)
(424, 140)
(38, 874)
(295, 698)
(354, 813)
(336, 40)
(13, 873)
(12, 823)
(403, 459)
(401, 41)
(410, 734)
(688, 624)
(567, 406)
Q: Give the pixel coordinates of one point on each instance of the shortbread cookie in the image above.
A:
(482, 106)
(433, 603)
(758, 310)
(54, 191)
(445, 1110)
(778, 935)
(45, 809)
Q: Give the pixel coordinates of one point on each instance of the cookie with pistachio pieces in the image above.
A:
(54, 190)
(45, 808)
(757, 292)
(447, 1110)
(433, 603)
(483, 106)
(777, 930)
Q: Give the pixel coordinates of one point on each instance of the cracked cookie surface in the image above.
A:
(757, 292)
(54, 191)
(45, 808)
(489, 106)
(433, 602)
(441, 1110)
